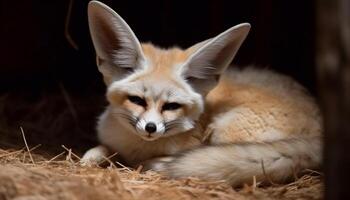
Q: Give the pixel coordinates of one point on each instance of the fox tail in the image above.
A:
(238, 163)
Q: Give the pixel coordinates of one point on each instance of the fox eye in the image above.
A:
(137, 100)
(171, 106)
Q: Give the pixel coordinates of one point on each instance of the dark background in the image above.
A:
(55, 91)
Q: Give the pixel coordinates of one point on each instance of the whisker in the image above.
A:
(172, 124)
(123, 114)
(131, 119)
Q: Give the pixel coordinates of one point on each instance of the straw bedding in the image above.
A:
(35, 177)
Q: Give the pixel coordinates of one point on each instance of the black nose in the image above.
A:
(151, 127)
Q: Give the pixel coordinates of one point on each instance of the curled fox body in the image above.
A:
(187, 113)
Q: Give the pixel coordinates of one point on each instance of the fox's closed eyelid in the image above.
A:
(137, 100)
(171, 106)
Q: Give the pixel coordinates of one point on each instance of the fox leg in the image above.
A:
(94, 156)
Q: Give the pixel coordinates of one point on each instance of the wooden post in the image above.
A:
(333, 68)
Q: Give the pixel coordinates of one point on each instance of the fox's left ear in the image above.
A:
(212, 57)
(118, 50)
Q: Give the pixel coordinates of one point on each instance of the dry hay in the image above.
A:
(28, 175)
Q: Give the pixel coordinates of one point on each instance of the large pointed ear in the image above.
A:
(211, 58)
(118, 50)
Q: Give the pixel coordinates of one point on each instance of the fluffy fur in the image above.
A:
(206, 120)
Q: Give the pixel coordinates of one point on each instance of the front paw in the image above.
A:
(157, 164)
(94, 156)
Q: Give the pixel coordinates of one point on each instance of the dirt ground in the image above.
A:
(26, 175)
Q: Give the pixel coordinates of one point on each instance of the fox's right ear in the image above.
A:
(209, 59)
(118, 50)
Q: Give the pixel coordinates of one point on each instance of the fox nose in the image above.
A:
(151, 127)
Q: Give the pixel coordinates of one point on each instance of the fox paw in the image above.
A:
(157, 164)
(94, 156)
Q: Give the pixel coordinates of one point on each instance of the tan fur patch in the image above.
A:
(163, 62)
(136, 109)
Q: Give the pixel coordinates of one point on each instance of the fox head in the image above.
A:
(157, 92)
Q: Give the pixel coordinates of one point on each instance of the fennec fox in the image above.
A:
(183, 113)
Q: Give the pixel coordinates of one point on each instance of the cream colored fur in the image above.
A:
(231, 125)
